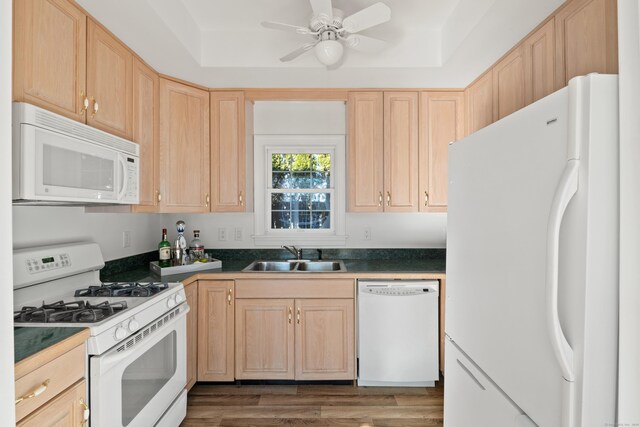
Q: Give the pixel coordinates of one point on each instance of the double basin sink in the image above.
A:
(296, 266)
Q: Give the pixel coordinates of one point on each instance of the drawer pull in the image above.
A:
(290, 314)
(85, 412)
(37, 392)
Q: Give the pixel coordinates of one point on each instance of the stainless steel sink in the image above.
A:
(296, 266)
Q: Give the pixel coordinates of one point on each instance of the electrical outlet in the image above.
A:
(222, 234)
(367, 233)
(238, 233)
(126, 239)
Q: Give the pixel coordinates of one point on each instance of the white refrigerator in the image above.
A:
(532, 265)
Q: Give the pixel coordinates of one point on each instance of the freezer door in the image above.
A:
(471, 398)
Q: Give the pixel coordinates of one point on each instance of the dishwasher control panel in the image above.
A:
(399, 287)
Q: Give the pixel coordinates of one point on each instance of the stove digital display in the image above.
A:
(47, 260)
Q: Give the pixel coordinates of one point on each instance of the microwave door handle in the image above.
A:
(122, 177)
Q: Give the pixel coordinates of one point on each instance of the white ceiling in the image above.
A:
(220, 43)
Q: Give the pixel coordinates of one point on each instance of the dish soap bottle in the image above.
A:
(196, 248)
(164, 250)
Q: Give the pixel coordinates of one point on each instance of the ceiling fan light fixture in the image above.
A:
(329, 52)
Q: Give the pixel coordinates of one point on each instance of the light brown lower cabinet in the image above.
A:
(295, 339)
(191, 291)
(67, 409)
(215, 330)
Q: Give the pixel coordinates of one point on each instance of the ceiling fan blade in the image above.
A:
(367, 18)
(364, 43)
(302, 49)
(286, 27)
(323, 10)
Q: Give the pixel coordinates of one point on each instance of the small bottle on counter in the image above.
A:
(164, 250)
(196, 248)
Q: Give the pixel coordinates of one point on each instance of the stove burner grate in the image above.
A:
(133, 289)
(68, 312)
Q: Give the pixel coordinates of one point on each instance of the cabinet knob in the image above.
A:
(85, 103)
(388, 198)
(426, 198)
(35, 393)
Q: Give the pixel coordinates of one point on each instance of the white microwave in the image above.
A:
(57, 160)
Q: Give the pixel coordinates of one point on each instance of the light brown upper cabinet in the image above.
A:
(539, 54)
(509, 87)
(228, 152)
(109, 82)
(184, 148)
(216, 304)
(586, 39)
(401, 151)
(145, 132)
(49, 56)
(441, 122)
(479, 102)
(365, 152)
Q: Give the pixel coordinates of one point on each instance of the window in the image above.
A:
(302, 190)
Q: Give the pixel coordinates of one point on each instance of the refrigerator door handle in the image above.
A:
(567, 188)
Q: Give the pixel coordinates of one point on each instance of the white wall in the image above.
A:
(7, 408)
(388, 230)
(629, 338)
(41, 225)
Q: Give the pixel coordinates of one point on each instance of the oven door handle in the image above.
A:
(114, 357)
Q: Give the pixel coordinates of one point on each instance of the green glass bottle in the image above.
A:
(164, 249)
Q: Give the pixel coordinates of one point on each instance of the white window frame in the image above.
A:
(264, 146)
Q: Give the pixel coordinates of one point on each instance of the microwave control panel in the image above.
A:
(37, 265)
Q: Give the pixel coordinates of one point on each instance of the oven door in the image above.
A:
(136, 381)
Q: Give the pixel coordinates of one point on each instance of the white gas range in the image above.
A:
(137, 344)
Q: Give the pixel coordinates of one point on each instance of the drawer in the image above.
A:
(295, 288)
(68, 409)
(61, 373)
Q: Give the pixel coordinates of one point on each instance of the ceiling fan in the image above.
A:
(331, 31)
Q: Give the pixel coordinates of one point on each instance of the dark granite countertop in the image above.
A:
(29, 341)
(357, 266)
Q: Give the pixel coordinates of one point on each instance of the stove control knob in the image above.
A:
(171, 302)
(133, 325)
(179, 298)
(120, 333)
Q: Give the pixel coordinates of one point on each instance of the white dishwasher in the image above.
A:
(398, 333)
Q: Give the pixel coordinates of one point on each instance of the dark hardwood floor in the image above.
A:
(313, 405)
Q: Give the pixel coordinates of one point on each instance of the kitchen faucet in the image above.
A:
(297, 252)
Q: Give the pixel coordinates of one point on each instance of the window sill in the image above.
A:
(266, 240)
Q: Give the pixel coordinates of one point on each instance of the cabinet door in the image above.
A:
(401, 151)
(441, 122)
(479, 102)
(67, 409)
(586, 39)
(264, 339)
(365, 152)
(215, 330)
(228, 148)
(325, 339)
(539, 54)
(50, 56)
(145, 133)
(191, 292)
(109, 75)
(184, 148)
(509, 88)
